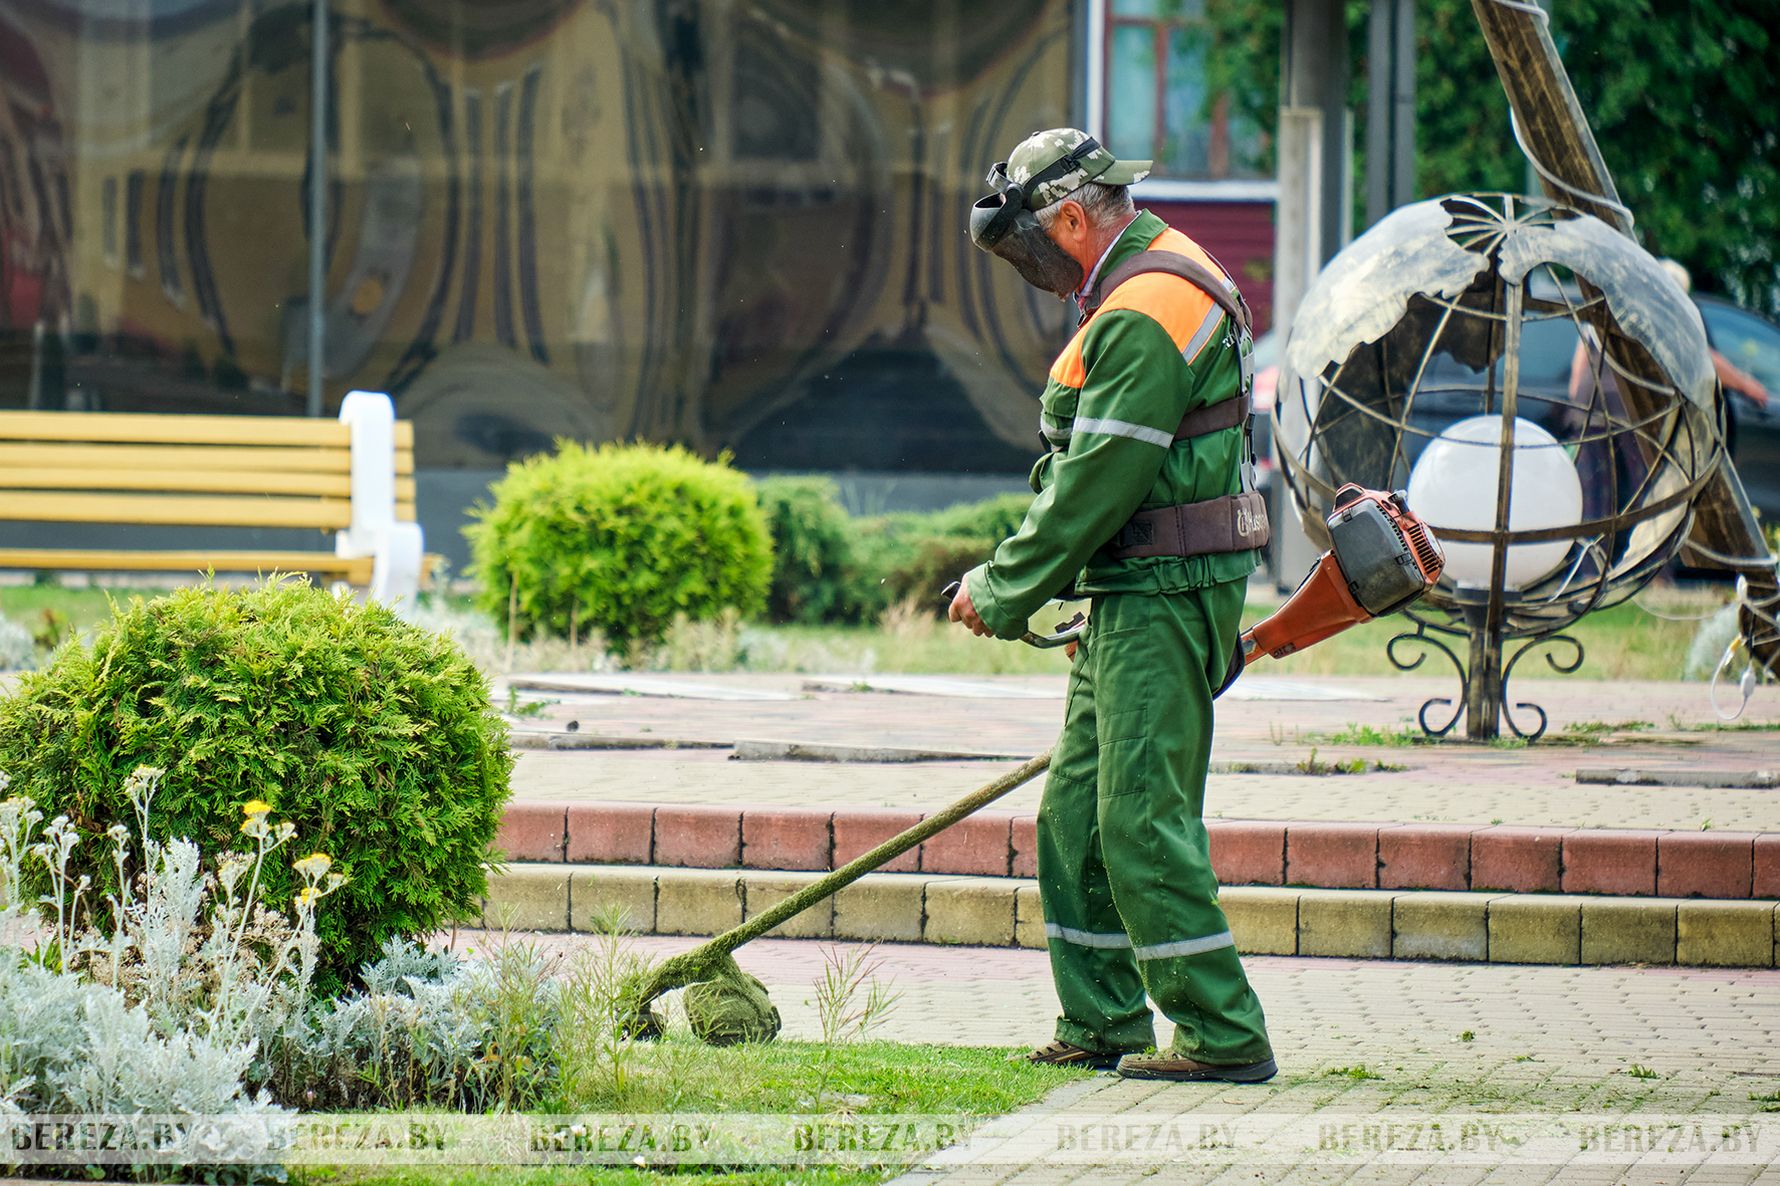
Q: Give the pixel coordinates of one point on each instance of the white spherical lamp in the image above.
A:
(1455, 484)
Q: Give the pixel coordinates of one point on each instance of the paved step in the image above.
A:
(1644, 777)
(1329, 855)
(935, 685)
(1265, 920)
(574, 739)
(764, 750)
(626, 684)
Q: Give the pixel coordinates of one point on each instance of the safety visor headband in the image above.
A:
(1009, 198)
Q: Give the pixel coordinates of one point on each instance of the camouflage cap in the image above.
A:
(1041, 149)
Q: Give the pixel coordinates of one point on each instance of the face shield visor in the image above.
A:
(1001, 224)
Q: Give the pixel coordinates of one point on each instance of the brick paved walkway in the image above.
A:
(1467, 784)
(1365, 1037)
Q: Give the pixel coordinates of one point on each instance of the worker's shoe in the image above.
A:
(1066, 1054)
(1186, 1070)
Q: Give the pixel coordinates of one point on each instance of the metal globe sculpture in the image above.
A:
(1477, 350)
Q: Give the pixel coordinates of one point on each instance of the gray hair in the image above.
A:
(1103, 204)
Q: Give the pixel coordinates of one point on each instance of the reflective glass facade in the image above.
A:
(737, 225)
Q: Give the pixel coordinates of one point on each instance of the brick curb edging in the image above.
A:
(1385, 856)
(1266, 920)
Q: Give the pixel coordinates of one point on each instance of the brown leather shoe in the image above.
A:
(1065, 1054)
(1185, 1070)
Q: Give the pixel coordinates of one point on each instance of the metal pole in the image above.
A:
(318, 197)
(34, 390)
(1390, 108)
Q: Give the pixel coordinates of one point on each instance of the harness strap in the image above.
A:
(1173, 263)
(1233, 523)
(1226, 413)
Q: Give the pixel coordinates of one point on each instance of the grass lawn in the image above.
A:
(1626, 642)
(544, 1175)
(688, 1077)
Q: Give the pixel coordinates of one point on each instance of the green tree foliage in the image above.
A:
(1681, 98)
(374, 738)
(621, 539)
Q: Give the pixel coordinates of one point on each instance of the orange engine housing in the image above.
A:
(1381, 558)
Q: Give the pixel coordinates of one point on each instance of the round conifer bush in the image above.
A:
(374, 738)
(621, 539)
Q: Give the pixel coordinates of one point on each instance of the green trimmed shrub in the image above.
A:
(900, 559)
(374, 738)
(928, 564)
(812, 550)
(991, 520)
(913, 556)
(620, 539)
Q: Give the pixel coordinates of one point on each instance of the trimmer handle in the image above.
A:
(1065, 633)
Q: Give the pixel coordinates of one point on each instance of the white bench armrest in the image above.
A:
(395, 547)
(370, 418)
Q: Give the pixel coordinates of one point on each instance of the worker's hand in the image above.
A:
(962, 610)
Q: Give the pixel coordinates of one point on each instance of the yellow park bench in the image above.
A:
(353, 476)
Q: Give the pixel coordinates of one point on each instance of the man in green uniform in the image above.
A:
(1145, 416)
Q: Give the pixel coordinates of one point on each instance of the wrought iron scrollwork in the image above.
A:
(1565, 667)
(1420, 637)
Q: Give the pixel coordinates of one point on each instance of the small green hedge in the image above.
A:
(621, 539)
(910, 556)
(373, 737)
(814, 568)
(990, 521)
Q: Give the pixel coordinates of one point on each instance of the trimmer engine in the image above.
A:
(1381, 559)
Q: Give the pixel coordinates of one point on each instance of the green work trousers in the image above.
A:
(1130, 901)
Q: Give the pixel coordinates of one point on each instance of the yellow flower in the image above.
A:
(256, 807)
(314, 866)
(307, 895)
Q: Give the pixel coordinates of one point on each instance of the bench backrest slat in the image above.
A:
(167, 481)
(149, 428)
(320, 485)
(327, 514)
(99, 458)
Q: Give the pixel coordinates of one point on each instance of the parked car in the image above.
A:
(1751, 343)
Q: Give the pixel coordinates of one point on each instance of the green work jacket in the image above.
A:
(1157, 349)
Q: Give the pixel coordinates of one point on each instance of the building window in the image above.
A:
(1156, 101)
(108, 219)
(133, 191)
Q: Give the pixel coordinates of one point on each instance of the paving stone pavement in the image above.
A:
(1359, 1037)
(1455, 783)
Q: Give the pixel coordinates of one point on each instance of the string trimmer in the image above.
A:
(1381, 558)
